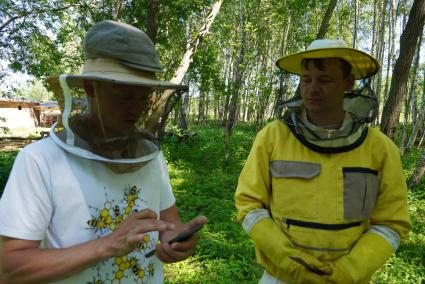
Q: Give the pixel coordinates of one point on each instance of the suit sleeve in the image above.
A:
(389, 223)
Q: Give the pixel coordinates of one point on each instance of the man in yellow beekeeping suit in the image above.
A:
(322, 195)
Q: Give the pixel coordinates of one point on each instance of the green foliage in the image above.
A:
(4, 129)
(26, 40)
(6, 162)
(44, 37)
(32, 90)
(204, 183)
(408, 264)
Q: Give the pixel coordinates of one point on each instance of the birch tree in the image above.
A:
(156, 121)
(237, 85)
(419, 122)
(410, 105)
(326, 19)
(408, 40)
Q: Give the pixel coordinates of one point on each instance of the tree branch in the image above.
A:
(36, 12)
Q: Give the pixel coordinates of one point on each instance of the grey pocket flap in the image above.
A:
(280, 168)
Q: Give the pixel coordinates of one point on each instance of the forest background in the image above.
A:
(226, 52)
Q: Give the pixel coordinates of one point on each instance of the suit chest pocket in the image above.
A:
(293, 188)
(361, 187)
(294, 169)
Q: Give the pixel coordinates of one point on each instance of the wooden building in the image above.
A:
(26, 114)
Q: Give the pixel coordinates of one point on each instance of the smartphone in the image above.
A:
(182, 236)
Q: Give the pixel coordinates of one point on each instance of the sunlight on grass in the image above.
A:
(24, 132)
(183, 271)
(407, 266)
(204, 183)
(177, 181)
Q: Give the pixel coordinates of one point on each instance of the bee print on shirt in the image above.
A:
(105, 220)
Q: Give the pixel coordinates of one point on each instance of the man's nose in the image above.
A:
(315, 85)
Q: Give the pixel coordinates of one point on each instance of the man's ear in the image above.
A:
(88, 88)
(350, 82)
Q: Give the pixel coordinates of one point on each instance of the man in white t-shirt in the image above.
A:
(86, 204)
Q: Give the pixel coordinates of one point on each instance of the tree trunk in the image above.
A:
(325, 21)
(410, 107)
(419, 121)
(183, 112)
(380, 46)
(119, 6)
(356, 16)
(226, 108)
(200, 106)
(206, 109)
(282, 94)
(24, 14)
(159, 114)
(421, 140)
(151, 24)
(407, 103)
(413, 85)
(233, 106)
(408, 40)
(176, 115)
(167, 110)
(417, 174)
(372, 48)
(391, 48)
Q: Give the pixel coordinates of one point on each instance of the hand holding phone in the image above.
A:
(185, 234)
(182, 236)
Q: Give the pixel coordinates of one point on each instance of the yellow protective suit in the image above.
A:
(337, 213)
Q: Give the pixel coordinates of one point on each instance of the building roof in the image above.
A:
(17, 102)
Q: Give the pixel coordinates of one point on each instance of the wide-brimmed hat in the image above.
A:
(364, 65)
(122, 54)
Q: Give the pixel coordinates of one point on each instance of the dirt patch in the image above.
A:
(8, 145)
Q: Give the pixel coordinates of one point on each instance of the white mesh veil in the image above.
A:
(76, 134)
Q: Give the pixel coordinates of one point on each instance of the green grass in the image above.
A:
(23, 132)
(204, 183)
(6, 162)
(408, 264)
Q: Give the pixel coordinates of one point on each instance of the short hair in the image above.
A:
(320, 64)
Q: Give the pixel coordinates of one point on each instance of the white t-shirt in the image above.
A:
(64, 200)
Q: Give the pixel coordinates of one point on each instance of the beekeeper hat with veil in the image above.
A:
(361, 105)
(115, 54)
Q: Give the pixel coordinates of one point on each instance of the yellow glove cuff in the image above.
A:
(270, 240)
(368, 254)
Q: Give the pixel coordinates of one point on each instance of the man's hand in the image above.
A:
(308, 269)
(132, 231)
(339, 275)
(26, 262)
(179, 250)
(301, 275)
